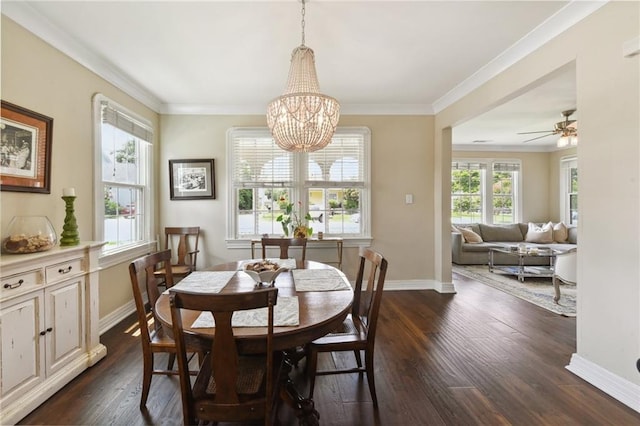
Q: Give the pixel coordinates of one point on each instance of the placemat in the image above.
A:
(318, 280)
(204, 281)
(283, 263)
(285, 313)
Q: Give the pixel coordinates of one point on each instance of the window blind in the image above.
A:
(124, 122)
(463, 165)
(506, 167)
(342, 161)
(258, 162)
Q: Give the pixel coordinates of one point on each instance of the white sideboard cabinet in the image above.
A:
(49, 314)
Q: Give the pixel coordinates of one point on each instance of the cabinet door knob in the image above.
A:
(14, 285)
(48, 330)
(65, 270)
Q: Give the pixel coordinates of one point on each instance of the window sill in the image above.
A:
(347, 242)
(127, 254)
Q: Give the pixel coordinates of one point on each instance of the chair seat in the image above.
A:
(348, 333)
(249, 382)
(159, 339)
(176, 270)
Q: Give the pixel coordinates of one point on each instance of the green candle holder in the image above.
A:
(70, 236)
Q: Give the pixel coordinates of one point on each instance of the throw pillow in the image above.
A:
(560, 232)
(456, 230)
(539, 234)
(470, 236)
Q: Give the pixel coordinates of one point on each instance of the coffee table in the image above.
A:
(521, 270)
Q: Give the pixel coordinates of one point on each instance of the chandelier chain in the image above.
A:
(303, 13)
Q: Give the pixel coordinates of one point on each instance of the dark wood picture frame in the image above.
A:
(192, 179)
(25, 150)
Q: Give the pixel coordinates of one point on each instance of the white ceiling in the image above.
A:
(375, 57)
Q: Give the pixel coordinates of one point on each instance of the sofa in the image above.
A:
(474, 250)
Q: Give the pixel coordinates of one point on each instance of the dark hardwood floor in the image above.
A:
(477, 357)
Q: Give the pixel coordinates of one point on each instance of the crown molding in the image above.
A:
(503, 148)
(345, 109)
(25, 15)
(562, 20)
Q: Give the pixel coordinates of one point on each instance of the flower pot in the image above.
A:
(300, 232)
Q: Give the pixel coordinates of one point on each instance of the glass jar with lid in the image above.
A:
(29, 234)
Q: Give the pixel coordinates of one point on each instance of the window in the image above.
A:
(123, 187)
(485, 191)
(569, 190)
(467, 181)
(331, 184)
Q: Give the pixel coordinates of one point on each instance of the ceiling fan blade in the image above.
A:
(541, 131)
(539, 137)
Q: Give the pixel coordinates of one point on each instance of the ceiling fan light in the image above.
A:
(563, 141)
(573, 140)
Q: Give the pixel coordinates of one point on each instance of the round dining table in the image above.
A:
(320, 312)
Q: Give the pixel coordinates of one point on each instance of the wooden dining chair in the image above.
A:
(229, 386)
(358, 331)
(183, 241)
(154, 339)
(284, 244)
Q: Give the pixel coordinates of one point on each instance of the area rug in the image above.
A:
(538, 291)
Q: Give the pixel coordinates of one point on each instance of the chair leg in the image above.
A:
(172, 360)
(370, 378)
(556, 287)
(312, 363)
(358, 358)
(146, 378)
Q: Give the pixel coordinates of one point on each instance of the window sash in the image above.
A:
(305, 173)
(486, 195)
(123, 193)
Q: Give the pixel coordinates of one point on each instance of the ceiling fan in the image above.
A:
(566, 128)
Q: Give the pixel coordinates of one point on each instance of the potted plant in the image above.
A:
(289, 218)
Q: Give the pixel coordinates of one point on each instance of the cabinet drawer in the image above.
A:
(64, 270)
(19, 283)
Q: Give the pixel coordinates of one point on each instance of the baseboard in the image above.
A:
(621, 389)
(111, 319)
(419, 285)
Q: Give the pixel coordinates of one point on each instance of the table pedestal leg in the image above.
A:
(304, 407)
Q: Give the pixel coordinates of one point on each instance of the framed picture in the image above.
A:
(25, 150)
(191, 179)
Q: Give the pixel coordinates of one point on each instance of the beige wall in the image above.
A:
(401, 163)
(37, 77)
(608, 325)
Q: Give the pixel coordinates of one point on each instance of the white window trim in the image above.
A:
(487, 185)
(365, 204)
(124, 254)
(566, 163)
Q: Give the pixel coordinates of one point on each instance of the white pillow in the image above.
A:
(560, 232)
(469, 235)
(539, 234)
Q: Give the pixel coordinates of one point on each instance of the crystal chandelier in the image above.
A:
(303, 119)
